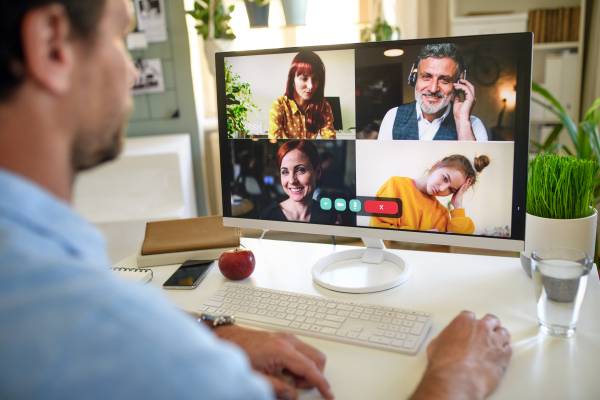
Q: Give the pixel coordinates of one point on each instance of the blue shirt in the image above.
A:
(70, 330)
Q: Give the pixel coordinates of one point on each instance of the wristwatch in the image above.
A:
(217, 320)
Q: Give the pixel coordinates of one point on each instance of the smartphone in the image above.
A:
(188, 275)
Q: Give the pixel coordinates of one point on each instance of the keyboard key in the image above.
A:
(365, 317)
(380, 313)
(354, 335)
(252, 310)
(271, 314)
(362, 336)
(411, 317)
(300, 318)
(354, 315)
(410, 343)
(335, 318)
(422, 319)
(315, 328)
(417, 328)
(281, 315)
(408, 323)
(397, 343)
(368, 311)
(290, 317)
(375, 318)
(341, 332)
(400, 315)
(211, 303)
(380, 340)
(400, 335)
(378, 332)
(295, 325)
(359, 309)
(271, 307)
(343, 313)
(389, 334)
(328, 331)
(357, 328)
(305, 327)
(261, 312)
(259, 318)
(344, 307)
(311, 320)
(330, 324)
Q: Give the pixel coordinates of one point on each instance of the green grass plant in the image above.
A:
(561, 187)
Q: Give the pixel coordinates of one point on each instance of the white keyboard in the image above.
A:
(387, 328)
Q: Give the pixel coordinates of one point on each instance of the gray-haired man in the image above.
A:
(438, 113)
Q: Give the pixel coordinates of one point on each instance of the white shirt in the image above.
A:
(427, 130)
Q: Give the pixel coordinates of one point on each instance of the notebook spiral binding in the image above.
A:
(135, 270)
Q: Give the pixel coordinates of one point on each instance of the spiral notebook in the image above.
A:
(135, 275)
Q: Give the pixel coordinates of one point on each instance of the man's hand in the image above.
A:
(467, 360)
(462, 110)
(272, 353)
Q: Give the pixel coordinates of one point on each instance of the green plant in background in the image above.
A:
(561, 187)
(238, 99)
(585, 135)
(221, 19)
(260, 3)
(379, 32)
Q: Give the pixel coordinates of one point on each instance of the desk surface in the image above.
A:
(445, 284)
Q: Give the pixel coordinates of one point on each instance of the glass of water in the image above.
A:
(560, 276)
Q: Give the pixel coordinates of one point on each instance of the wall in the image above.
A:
(177, 110)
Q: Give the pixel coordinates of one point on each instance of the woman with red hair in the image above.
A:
(303, 112)
(301, 173)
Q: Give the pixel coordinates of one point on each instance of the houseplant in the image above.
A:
(379, 31)
(560, 200)
(238, 100)
(218, 35)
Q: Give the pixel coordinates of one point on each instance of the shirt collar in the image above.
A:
(441, 119)
(32, 207)
(293, 106)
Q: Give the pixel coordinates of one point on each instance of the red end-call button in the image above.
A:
(381, 207)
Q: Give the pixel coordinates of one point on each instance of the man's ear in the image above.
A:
(48, 47)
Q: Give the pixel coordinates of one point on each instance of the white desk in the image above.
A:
(541, 367)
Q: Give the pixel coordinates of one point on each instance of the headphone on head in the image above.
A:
(412, 76)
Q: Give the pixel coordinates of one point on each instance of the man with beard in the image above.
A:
(68, 328)
(438, 113)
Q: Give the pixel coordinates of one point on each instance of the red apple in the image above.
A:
(237, 264)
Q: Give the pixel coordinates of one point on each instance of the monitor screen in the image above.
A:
(416, 140)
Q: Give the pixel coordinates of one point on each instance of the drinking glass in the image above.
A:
(560, 276)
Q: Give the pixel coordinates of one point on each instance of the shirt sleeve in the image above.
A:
(387, 190)
(385, 130)
(478, 129)
(460, 223)
(277, 121)
(327, 131)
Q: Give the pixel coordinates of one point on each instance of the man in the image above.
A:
(68, 329)
(438, 76)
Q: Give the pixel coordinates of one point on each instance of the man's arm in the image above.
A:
(467, 360)
(273, 353)
(462, 110)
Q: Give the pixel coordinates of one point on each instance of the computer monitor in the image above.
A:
(443, 162)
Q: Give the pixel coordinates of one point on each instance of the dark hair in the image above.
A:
(84, 16)
(443, 50)
(308, 63)
(305, 146)
(463, 164)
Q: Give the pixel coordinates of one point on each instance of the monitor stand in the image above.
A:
(364, 270)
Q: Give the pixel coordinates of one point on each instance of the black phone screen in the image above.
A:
(189, 274)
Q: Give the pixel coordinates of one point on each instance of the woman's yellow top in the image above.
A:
(287, 122)
(419, 211)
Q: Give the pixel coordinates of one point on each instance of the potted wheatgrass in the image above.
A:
(560, 200)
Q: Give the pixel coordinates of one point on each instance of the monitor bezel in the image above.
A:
(523, 46)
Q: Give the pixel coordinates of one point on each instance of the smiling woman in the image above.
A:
(301, 173)
(303, 112)
(421, 210)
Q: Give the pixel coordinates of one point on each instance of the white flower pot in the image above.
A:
(541, 232)
(212, 46)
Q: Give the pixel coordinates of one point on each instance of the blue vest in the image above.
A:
(406, 126)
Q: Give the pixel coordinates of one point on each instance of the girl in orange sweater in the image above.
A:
(420, 209)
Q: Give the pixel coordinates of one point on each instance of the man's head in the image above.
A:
(438, 67)
(64, 62)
